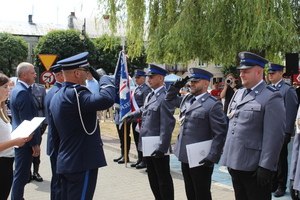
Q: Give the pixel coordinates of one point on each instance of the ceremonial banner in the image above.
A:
(123, 86)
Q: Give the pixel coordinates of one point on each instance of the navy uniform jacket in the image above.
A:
(52, 136)
(290, 103)
(39, 93)
(295, 161)
(201, 121)
(79, 151)
(158, 119)
(256, 129)
(140, 94)
(23, 108)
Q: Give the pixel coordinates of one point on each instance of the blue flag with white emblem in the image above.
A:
(123, 86)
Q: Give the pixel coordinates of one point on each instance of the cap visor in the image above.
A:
(244, 67)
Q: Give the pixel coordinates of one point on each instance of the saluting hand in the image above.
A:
(179, 83)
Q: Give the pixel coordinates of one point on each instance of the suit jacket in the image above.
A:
(23, 108)
(79, 151)
(158, 119)
(52, 136)
(295, 161)
(256, 129)
(290, 103)
(201, 121)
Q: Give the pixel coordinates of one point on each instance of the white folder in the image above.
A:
(150, 144)
(27, 127)
(197, 152)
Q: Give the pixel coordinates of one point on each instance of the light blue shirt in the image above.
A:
(92, 85)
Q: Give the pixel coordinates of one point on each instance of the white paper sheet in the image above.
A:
(197, 152)
(27, 127)
(150, 144)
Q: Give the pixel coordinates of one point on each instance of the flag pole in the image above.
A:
(125, 142)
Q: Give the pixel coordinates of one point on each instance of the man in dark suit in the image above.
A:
(138, 98)
(256, 131)
(39, 93)
(158, 120)
(52, 135)
(275, 73)
(201, 118)
(23, 108)
(73, 113)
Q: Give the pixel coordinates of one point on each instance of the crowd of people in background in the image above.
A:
(246, 119)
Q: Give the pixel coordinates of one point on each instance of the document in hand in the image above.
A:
(27, 127)
(150, 144)
(197, 152)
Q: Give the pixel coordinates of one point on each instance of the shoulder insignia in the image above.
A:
(273, 89)
(288, 84)
(213, 98)
(80, 88)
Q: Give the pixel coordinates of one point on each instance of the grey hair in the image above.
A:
(22, 67)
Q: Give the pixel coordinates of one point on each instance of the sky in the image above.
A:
(46, 11)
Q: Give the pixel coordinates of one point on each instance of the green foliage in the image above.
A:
(64, 44)
(212, 31)
(107, 53)
(13, 50)
(230, 69)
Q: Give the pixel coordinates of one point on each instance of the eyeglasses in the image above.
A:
(85, 70)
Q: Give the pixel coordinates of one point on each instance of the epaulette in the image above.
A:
(273, 89)
(288, 84)
(80, 88)
(214, 98)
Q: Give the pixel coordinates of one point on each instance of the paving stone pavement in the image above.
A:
(116, 181)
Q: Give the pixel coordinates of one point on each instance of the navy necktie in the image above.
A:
(30, 88)
(246, 92)
(193, 100)
(151, 95)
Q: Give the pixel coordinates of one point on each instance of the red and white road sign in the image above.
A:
(298, 78)
(47, 76)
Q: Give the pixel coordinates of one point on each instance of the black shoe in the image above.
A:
(117, 159)
(37, 177)
(122, 160)
(142, 165)
(279, 192)
(135, 164)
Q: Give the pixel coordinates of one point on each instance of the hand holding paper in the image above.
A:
(157, 154)
(206, 163)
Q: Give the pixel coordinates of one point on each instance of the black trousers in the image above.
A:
(136, 134)
(6, 176)
(197, 182)
(246, 187)
(121, 136)
(160, 178)
(280, 176)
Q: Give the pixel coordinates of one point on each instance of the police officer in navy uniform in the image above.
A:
(201, 118)
(139, 94)
(39, 93)
(275, 74)
(52, 135)
(255, 133)
(158, 120)
(73, 113)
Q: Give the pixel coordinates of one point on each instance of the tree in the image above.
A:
(107, 53)
(212, 31)
(13, 50)
(64, 44)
